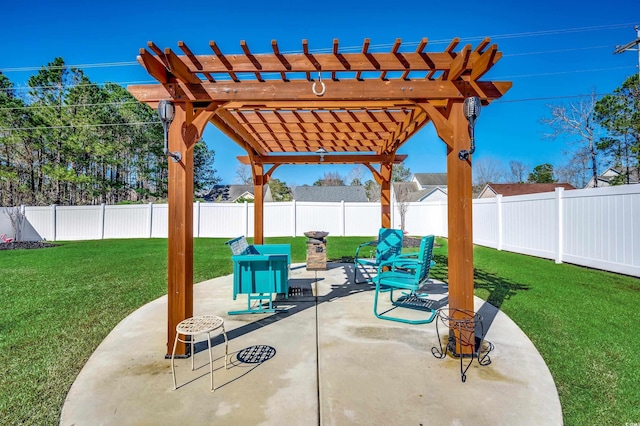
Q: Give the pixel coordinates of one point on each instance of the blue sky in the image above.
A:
(552, 51)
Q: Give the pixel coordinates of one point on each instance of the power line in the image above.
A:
(544, 52)
(373, 46)
(32, 106)
(28, 107)
(139, 123)
(560, 72)
(480, 38)
(77, 85)
(59, 67)
(629, 46)
(264, 74)
(501, 100)
(547, 98)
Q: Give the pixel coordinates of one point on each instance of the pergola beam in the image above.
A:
(327, 159)
(269, 91)
(325, 62)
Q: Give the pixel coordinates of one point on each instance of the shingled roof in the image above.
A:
(231, 193)
(330, 193)
(511, 189)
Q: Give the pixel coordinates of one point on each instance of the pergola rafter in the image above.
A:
(370, 102)
(359, 107)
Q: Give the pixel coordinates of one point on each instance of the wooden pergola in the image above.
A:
(289, 108)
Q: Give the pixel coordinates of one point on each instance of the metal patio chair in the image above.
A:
(389, 245)
(408, 274)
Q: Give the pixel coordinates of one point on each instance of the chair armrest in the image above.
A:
(386, 263)
(406, 256)
(363, 245)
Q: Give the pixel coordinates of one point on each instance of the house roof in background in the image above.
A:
(510, 189)
(415, 193)
(330, 193)
(229, 193)
(411, 187)
(431, 179)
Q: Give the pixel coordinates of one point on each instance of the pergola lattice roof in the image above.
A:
(371, 103)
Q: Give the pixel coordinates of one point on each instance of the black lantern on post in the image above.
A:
(166, 112)
(471, 110)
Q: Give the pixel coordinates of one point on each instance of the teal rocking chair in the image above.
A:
(406, 273)
(389, 245)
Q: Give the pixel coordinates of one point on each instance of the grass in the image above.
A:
(59, 303)
(583, 322)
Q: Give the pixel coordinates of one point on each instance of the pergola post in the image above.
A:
(258, 202)
(386, 170)
(184, 133)
(180, 219)
(453, 129)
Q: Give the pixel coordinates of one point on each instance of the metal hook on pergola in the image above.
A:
(324, 88)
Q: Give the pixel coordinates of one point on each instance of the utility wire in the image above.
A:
(547, 98)
(509, 77)
(575, 49)
(32, 106)
(277, 74)
(373, 46)
(57, 86)
(480, 38)
(59, 67)
(139, 123)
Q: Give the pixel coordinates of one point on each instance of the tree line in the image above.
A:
(69, 141)
(600, 133)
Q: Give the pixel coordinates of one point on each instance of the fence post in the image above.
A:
(101, 220)
(197, 220)
(295, 218)
(53, 222)
(500, 222)
(342, 219)
(23, 212)
(443, 210)
(559, 228)
(392, 213)
(246, 219)
(150, 220)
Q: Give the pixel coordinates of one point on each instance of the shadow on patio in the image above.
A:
(325, 360)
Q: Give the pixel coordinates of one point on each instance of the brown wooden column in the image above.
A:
(259, 180)
(453, 130)
(386, 170)
(184, 132)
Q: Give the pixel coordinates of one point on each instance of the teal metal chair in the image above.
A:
(408, 274)
(389, 245)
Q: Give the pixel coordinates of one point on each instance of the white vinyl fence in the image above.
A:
(597, 227)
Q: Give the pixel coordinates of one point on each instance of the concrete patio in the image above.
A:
(326, 360)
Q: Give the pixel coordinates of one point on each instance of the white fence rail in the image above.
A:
(597, 227)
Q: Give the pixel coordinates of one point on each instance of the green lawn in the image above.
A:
(59, 303)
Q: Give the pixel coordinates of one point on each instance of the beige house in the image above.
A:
(610, 174)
